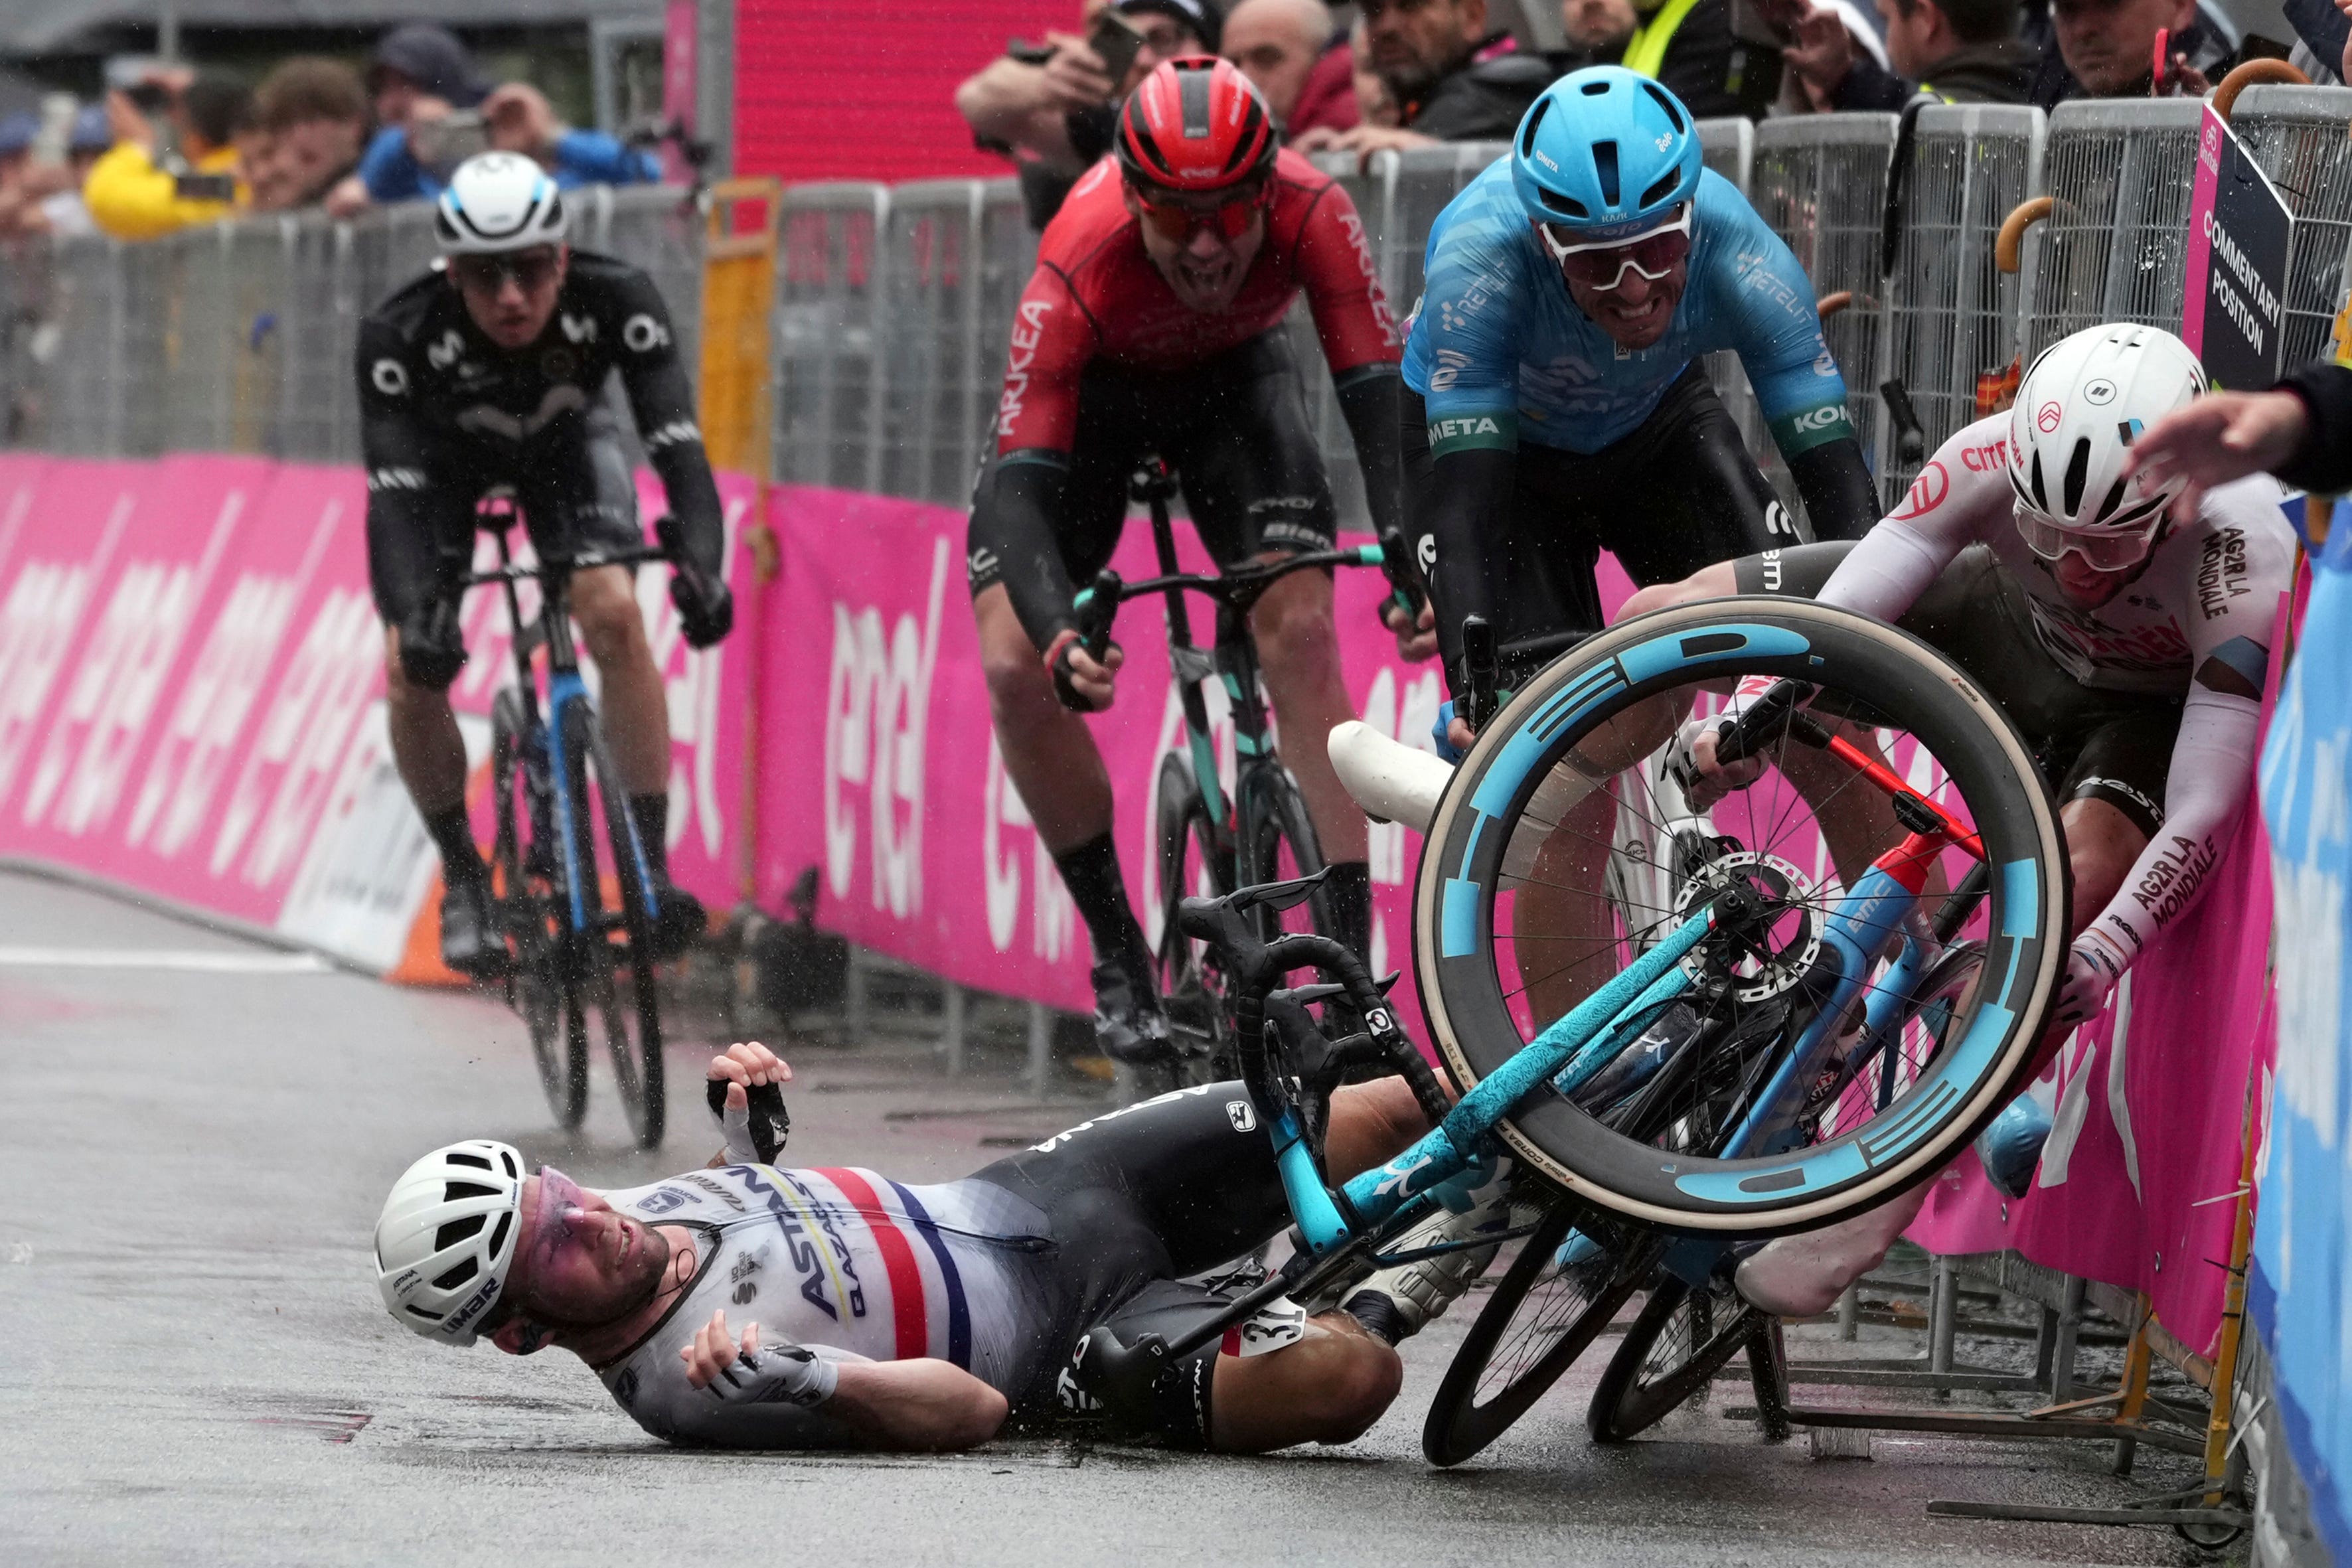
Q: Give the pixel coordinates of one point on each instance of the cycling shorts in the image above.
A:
(2090, 745)
(1679, 493)
(1233, 428)
(583, 499)
(1138, 1199)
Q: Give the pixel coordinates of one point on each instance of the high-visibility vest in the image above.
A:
(1646, 53)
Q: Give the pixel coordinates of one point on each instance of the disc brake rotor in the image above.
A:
(1781, 949)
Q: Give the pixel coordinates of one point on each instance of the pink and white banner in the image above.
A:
(191, 702)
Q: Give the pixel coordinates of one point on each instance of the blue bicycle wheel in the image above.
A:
(1521, 910)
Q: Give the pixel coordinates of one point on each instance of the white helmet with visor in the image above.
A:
(2085, 402)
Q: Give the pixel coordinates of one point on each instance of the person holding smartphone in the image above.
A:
(141, 189)
(1050, 107)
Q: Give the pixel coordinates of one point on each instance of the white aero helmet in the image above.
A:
(2078, 412)
(497, 201)
(446, 1237)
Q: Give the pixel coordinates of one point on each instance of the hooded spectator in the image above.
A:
(136, 192)
(314, 114)
(422, 60)
(1455, 78)
(1291, 50)
(1953, 51)
(1051, 109)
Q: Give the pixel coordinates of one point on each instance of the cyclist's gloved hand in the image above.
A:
(1705, 781)
(705, 606)
(1081, 683)
(2094, 964)
(432, 644)
(752, 1374)
(1440, 731)
(1416, 635)
(746, 1096)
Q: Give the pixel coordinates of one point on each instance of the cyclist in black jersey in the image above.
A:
(489, 372)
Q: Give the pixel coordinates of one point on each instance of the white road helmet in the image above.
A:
(2081, 407)
(497, 201)
(446, 1237)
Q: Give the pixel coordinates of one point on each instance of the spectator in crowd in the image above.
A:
(1298, 60)
(20, 187)
(2106, 48)
(1050, 107)
(1375, 104)
(138, 191)
(434, 111)
(64, 213)
(1455, 78)
(1696, 53)
(312, 116)
(1954, 51)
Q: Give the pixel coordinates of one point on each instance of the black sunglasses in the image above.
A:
(487, 274)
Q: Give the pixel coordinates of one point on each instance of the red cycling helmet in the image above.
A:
(1196, 124)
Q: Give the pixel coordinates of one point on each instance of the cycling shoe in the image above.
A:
(1130, 1026)
(470, 943)
(2010, 1148)
(680, 919)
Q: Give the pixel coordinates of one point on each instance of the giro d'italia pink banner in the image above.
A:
(191, 705)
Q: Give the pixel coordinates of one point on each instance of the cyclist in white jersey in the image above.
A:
(748, 1306)
(2129, 645)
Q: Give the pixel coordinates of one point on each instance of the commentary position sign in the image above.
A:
(2233, 306)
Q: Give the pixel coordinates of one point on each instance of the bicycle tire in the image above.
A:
(1460, 1422)
(1637, 1390)
(636, 1059)
(1883, 672)
(526, 905)
(1274, 817)
(1191, 987)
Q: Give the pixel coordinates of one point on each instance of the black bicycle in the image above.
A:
(576, 903)
(1205, 843)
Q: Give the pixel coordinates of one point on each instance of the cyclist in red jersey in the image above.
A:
(1152, 327)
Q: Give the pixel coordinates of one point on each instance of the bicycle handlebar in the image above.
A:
(668, 550)
(1109, 589)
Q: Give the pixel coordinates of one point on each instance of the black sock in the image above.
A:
(1091, 873)
(1378, 1315)
(454, 833)
(651, 814)
(1348, 893)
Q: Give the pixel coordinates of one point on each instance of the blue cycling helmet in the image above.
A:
(1605, 150)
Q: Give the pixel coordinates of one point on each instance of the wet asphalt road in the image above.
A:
(194, 1366)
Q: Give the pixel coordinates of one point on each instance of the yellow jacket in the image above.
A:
(131, 198)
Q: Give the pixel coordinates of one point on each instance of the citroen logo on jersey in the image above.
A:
(579, 329)
(642, 335)
(445, 354)
(391, 377)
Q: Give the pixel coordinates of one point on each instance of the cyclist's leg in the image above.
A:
(1254, 483)
(416, 550)
(586, 504)
(1048, 752)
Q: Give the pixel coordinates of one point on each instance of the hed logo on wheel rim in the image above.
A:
(2046, 419)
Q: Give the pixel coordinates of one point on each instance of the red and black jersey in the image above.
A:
(1097, 295)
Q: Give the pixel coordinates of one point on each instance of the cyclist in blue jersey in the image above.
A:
(1555, 407)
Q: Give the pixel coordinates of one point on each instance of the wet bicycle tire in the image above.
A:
(605, 972)
(527, 903)
(1670, 1353)
(1192, 989)
(1273, 814)
(1469, 1411)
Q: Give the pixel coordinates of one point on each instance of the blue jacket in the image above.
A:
(582, 158)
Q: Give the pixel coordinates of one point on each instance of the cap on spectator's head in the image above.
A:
(90, 131)
(1206, 22)
(18, 132)
(432, 57)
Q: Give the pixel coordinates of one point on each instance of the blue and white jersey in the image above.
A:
(846, 1263)
(1501, 355)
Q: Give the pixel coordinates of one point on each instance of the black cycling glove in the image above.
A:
(706, 605)
(432, 644)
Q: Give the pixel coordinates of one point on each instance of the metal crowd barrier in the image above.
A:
(1951, 313)
(829, 379)
(2118, 173)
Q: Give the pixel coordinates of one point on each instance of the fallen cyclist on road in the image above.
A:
(748, 1306)
(489, 373)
